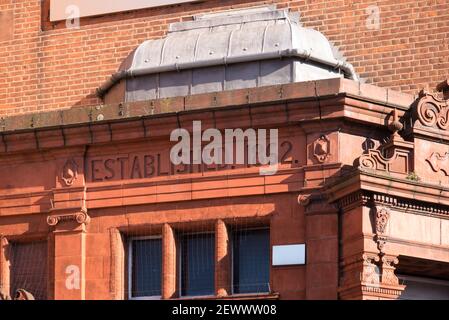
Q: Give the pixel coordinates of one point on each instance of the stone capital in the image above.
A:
(76, 217)
(370, 276)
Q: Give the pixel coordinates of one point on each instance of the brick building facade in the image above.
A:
(89, 197)
(45, 66)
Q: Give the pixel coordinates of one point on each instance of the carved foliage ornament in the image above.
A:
(382, 217)
(433, 111)
(69, 172)
(321, 148)
(388, 275)
(370, 272)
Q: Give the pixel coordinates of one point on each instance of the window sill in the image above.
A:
(243, 296)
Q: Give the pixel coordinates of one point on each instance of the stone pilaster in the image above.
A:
(168, 262)
(69, 236)
(4, 269)
(222, 260)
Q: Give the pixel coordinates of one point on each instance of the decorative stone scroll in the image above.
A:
(370, 272)
(395, 156)
(370, 275)
(388, 275)
(79, 217)
(439, 162)
(433, 111)
(374, 160)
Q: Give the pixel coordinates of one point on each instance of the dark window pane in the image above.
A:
(146, 267)
(197, 271)
(29, 268)
(251, 258)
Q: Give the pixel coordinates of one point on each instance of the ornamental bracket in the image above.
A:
(433, 110)
(393, 157)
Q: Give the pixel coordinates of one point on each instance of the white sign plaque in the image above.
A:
(293, 254)
(60, 9)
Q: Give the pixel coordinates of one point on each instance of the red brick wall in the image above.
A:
(59, 68)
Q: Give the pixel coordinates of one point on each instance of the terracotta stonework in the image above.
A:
(368, 201)
(362, 179)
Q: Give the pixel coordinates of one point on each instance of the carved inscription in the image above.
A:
(150, 165)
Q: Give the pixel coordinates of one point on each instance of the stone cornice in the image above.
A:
(338, 99)
(301, 90)
(361, 187)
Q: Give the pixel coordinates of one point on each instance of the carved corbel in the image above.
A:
(395, 156)
(370, 272)
(316, 204)
(369, 276)
(388, 275)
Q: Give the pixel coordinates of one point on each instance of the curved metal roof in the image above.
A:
(222, 40)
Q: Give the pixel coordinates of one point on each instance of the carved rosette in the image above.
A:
(79, 217)
(69, 172)
(433, 111)
(321, 148)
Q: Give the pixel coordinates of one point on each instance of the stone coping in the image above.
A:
(308, 90)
